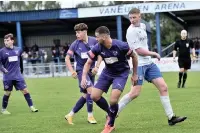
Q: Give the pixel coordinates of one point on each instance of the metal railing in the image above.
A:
(166, 52)
(45, 70)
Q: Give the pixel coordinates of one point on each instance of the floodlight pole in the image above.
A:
(119, 28)
(19, 34)
(158, 33)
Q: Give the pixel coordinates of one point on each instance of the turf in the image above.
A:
(54, 97)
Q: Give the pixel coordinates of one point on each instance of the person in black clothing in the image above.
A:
(197, 46)
(183, 46)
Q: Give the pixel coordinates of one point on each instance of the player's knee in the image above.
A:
(7, 93)
(113, 101)
(89, 90)
(134, 95)
(95, 97)
(24, 91)
(135, 92)
(163, 88)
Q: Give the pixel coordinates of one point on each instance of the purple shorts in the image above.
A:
(18, 84)
(90, 81)
(117, 81)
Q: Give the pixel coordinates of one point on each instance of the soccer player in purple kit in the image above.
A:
(79, 49)
(10, 59)
(115, 54)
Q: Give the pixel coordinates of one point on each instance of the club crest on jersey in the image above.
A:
(16, 52)
(187, 45)
(115, 53)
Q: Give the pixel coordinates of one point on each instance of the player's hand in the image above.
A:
(194, 58)
(174, 59)
(74, 74)
(157, 56)
(134, 79)
(84, 82)
(95, 70)
(5, 71)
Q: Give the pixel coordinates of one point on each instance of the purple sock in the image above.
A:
(89, 103)
(102, 103)
(5, 101)
(28, 99)
(79, 104)
(112, 114)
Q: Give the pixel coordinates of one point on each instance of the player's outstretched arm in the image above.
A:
(85, 71)
(134, 77)
(69, 66)
(145, 52)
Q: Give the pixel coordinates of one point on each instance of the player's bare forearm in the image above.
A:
(174, 54)
(68, 64)
(134, 62)
(99, 59)
(193, 52)
(145, 52)
(86, 67)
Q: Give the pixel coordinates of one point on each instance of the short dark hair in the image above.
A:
(10, 35)
(80, 27)
(103, 30)
(134, 11)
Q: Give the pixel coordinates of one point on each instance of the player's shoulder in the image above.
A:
(178, 41)
(132, 29)
(2, 49)
(93, 39)
(143, 26)
(75, 42)
(119, 43)
(17, 48)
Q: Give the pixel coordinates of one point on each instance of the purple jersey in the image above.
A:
(10, 59)
(79, 50)
(115, 58)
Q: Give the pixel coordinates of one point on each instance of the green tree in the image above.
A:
(28, 5)
(52, 5)
(90, 4)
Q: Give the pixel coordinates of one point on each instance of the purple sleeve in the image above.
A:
(71, 50)
(94, 52)
(126, 49)
(1, 64)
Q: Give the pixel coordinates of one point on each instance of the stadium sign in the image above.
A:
(144, 7)
(68, 13)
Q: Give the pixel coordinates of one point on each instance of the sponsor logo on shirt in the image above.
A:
(115, 53)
